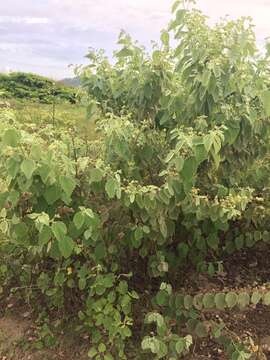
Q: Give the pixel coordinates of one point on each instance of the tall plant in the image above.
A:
(177, 176)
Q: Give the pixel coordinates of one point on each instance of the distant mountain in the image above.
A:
(71, 81)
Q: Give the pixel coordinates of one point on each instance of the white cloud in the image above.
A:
(113, 14)
(258, 10)
(23, 20)
(109, 16)
(145, 18)
(12, 48)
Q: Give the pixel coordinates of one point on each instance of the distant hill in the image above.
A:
(71, 81)
(35, 87)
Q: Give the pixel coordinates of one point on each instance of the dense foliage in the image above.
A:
(178, 176)
(35, 88)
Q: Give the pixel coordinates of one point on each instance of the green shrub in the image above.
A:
(178, 175)
(35, 88)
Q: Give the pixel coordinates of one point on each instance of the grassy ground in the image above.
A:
(60, 115)
(37, 112)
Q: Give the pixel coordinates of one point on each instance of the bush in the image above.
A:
(179, 175)
(34, 87)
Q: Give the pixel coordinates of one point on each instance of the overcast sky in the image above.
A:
(45, 36)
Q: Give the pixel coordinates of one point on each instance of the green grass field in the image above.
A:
(61, 115)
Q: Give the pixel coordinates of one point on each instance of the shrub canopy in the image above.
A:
(178, 176)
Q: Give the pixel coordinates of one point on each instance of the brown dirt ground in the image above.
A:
(16, 335)
(243, 271)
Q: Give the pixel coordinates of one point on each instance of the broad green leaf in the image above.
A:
(211, 269)
(266, 236)
(216, 143)
(102, 348)
(28, 166)
(152, 344)
(44, 235)
(220, 301)
(20, 232)
(206, 77)
(208, 141)
(108, 356)
(179, 163)
(216, 330)
(3, 226)
(180, 346)
(231, 299)
(13, 166)
(163, 349)
(122, 288)
(82, 284)
(52, 194)
(189, 341)
(188, 302)
(266, 298)
(100, 251)
(176, 5)
(11, 137)
(43, 219)
(125, 52)
(13, 197)
(92, 353)
(198, 301)
(44, 171)
(243, 299)
(89, 212)
(189, 169)
(200, 153)
(87, 234)
(110, 187)
(146, 229)
(96, 175)
(163, 227)
(179, 301)
(138, 233)
(156, 318)
(232, 133)
(162, 297)
(256, 297)
(183, 250)
(212, 241)
(66, 246)
(209, 301)
(59, 229)
(68, 184)
(36, 152)
(180, 14)
(79, 219)
(165, 38)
